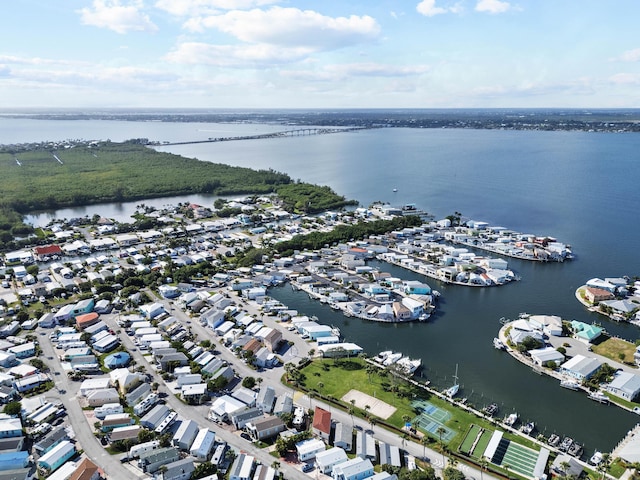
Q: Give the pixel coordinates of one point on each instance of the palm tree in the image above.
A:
(424, 441)
(276, 466)
(440, 431)
(483, 466)
(404, 439)
(351, 412)
(604, 465)
(564, 465)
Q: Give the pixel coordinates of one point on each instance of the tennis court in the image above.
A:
(520, 459)
(432, 418)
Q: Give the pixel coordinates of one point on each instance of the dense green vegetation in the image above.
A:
(41, 179)
(345, 233)
(303, 197)
(116, 172)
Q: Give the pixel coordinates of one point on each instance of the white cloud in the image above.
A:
(625, 79)
(492, 6)
(36, 61)
(291, 27)
(117, 16)
(630, 56)
(235, 55)
(341, 72)
(428, 8)
(184, 8)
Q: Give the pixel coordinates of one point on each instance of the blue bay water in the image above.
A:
(578, 187)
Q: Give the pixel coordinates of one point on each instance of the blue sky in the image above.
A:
(320, 54)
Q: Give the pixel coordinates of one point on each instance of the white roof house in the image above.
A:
(94, 384)
(548, 354)
(625, 385)
(242, 467)
(580, 367)
(354, 469)
(308, 449)
(223, 407)
(327, 459)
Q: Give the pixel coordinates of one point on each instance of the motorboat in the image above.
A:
(408, 366)
(596, 458)
(570, 384)
(491, 409)
(391, 359)
(575, 450)
(382, 356)
(566, 443)
(554, 440)
(528, 428)
(499, 344)
(511, 419)
(599, 397)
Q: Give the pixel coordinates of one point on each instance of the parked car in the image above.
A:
(308, 467)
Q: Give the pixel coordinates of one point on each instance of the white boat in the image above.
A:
(511, 419)
(599, 397)
(570, 384)
(391, 359)
(395, 190)
(528, 428)
(382, 356)
(455, 388)
(596, 458)
(498, 344)
(408, 366)
(636, 410)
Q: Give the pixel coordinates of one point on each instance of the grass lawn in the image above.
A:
(616, 349)
(334, 379)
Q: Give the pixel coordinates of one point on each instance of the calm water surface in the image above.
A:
(579, 187)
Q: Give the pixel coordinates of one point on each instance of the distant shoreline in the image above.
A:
(587, 120)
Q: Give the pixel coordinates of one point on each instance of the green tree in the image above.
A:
(451, 473)
(13, 408)
(249, 382)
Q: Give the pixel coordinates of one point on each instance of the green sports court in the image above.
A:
(432, 418)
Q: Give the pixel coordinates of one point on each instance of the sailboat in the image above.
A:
(453, 390)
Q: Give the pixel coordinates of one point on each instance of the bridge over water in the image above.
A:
(298, 132)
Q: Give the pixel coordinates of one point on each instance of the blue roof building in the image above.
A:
(117, 360)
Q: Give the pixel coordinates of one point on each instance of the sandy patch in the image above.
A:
(378, 407)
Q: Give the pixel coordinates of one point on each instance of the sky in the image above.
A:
(320, 54)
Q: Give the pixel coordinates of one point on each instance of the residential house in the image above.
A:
(266, 397)
(87, 470)
(365, 445)
(580, 367)
(185, 435)
(355, 469)
(264, 428)
(389, 454)
(179, 470)
(307, 449)
(625, 385)
(322, 423)
(242, 468)
(343, 436)
(152, 460)
(202, 445)
(328, 459)
(55, 457)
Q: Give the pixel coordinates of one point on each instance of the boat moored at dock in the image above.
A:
(511, 419)
(599, 397)
(570, 384)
